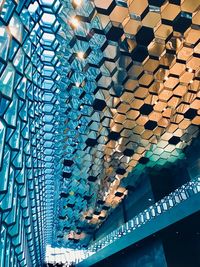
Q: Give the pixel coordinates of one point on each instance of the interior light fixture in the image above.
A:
(80, 55)
(190, 70)
(77, 2)
(74, 22)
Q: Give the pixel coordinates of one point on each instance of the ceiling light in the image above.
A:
(77, 2)
(80, 55)
(190, 70)
(74, 22)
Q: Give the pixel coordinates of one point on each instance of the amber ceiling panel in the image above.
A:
(131, 100)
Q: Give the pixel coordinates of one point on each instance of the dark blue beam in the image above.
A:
(182, 210)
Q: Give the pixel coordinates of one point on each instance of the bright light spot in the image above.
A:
(48, 18)
(190, 70)
(2, 31)
(47, 2)
(15, 28)
(7, 78)
(77, 84)
(33, 7)
(80, 55)
(77, 2)
(48, 36)
(65, 255)
(1, 126)
(74, 22)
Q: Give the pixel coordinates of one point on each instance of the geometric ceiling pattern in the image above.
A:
(129, 98)
(90, 91)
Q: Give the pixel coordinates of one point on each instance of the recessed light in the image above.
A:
(190, 70)
(80, 55)
(74, 22)
(77, 2)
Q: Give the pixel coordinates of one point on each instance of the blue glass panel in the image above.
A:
(7, 81)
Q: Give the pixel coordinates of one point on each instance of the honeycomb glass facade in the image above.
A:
(97, 99)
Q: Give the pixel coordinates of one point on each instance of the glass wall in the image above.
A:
(27, 68)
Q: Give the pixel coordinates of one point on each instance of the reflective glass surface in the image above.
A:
(91, 94)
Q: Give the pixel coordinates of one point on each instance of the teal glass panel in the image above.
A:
(7, 10)
(3, 238)
(2, 138)
(16, 28)
(4, 42)
(7, 81)
(11, 114)
(4, 171)
(6, 202)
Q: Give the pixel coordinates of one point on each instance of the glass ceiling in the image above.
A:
(90, 91)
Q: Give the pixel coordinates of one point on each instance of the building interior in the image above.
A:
(99, 133)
